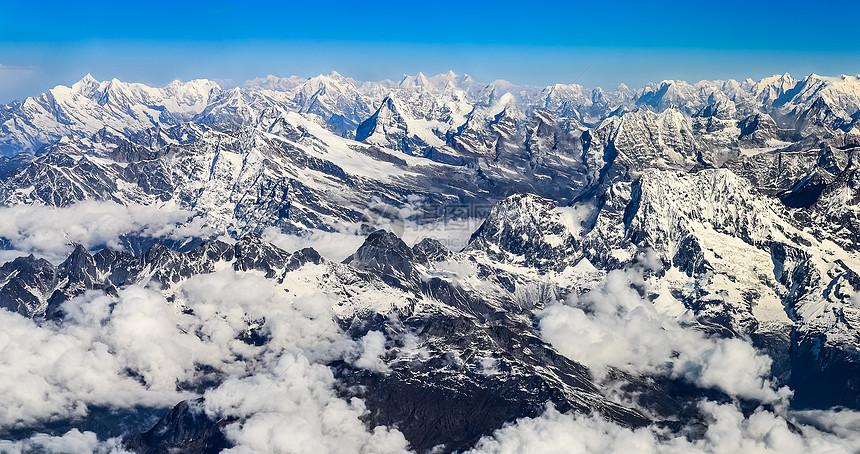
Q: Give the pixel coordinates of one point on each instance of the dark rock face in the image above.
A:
(834, 213)
(186, 429)
(429, 250)
(28, 283)
(81, 273)
(252, 253)
(758, 129)
(385, 254)
(824, 377)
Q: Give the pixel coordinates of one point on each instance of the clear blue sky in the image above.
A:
(43, 44)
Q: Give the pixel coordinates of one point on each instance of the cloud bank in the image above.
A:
(72, 442)
(613, 325)
(139, 349)
(728, 432)
(49, 231)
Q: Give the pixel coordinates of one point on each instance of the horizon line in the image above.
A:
(229, 84)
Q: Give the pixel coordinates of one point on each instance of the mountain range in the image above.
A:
(488, 260)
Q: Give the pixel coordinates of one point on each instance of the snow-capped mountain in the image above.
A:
(88, 106)
(668, 259)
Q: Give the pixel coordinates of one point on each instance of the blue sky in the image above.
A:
(43, 44)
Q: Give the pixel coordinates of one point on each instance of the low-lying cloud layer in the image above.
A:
(50, 231)
(294, 409)
(615, 326)
(728, 432)
(72, 442)
(140, 349)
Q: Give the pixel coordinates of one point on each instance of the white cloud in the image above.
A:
(453, 270)
(728, 432)
(55, 372)
(855, 300)
(573, 216)
(334, 246)
(728, 364)
(296, 411)
(72, 442)
(453, 234)
(49, 231)
(156, 342)
(372, 347)
(613, 325)
(135, 349)
(841, 423)
(138, 348)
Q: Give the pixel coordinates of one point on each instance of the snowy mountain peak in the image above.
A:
(779, 79)
(771, 88)
(327, 80)
(507, 102)
(86, 85)
(500, 84)
(274, 83)
(528, 230)
(418, 80)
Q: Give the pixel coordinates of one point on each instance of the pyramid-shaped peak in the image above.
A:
(326, 77)
(389, 103)
(88, 79)
(333, 81)
(334, 75)
(86, 84)
(781, 78)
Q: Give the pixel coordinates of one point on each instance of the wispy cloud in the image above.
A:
(5, 67)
